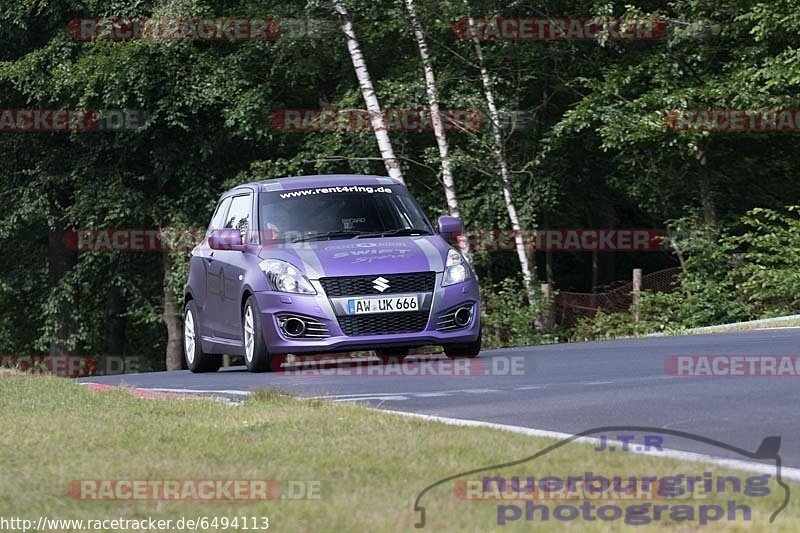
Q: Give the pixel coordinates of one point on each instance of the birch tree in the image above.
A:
(500, 155)
(436, 119)
(368, 92)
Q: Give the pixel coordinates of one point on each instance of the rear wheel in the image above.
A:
(196, 360)
(470, 349)
(256, 356)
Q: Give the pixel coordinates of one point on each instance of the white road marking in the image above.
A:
(179, 391)
(341, 396)
(382, 398)
(384, 394)
(416, 394)
(433, 394)
(738, 464)
(200, 391)
(747, 466)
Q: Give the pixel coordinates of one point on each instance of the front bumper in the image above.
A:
(274, 305)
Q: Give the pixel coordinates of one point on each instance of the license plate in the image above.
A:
(386, 304)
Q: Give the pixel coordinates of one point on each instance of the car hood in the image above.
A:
(363, 257)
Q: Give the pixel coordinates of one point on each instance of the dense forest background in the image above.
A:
(583, 133)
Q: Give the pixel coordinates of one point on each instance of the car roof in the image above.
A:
(320, 180)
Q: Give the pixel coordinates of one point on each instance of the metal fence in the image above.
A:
(569, 306)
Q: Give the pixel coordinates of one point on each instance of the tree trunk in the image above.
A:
(436, 118)
(500, 154)
(608, 260)
(115, 323)
(673, 242)
(368, 92)
(172, 318)
(704, 178)
(60, 260)
(548, 256)
(637, 294)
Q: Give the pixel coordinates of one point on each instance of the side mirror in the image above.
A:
(225, 239)
(450, 227)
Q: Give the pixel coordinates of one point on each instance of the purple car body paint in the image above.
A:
(322, 264)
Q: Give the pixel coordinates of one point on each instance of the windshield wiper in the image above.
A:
(405, 231)
(396, 233)
(329, 235)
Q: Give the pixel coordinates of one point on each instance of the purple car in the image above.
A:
(323, 264)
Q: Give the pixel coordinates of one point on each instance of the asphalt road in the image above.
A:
(566, 388)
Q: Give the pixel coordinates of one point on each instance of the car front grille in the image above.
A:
(365, 285)
(382, 324)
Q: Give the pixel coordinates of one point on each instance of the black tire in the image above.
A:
(468, 350)
(260, 361)
(392, 355)
(196, 360)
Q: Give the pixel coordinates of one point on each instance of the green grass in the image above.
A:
(371, 464)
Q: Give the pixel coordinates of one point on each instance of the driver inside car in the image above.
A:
(277, 222)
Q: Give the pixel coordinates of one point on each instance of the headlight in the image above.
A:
(455, 269)
(284, 277)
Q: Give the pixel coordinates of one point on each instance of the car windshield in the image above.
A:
(340, 212)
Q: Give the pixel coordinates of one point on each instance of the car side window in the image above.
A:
(218, 219)
(239, 214)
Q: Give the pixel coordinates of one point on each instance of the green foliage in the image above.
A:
(746, 272)
(729, 278)
(509, 320)
(769, 273)
(709, 287)
(659, 314)
(603, 326)
(594, 151)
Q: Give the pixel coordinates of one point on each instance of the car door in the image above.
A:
(211, 301)
(233, 264)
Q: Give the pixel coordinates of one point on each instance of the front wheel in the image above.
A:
(256, 356)
(470, 349)
(196, 360)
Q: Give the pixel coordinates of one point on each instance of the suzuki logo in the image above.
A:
(380, 284)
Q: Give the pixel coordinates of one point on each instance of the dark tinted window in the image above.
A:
(287, 215)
